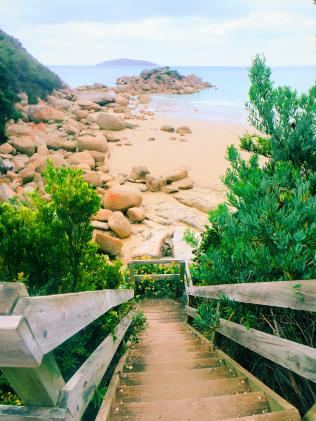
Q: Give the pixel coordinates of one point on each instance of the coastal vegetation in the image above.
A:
(266, 230)
(47, 245)
(20, 72)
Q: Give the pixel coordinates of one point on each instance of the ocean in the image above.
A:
(226, 102)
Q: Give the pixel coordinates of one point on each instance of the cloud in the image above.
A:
(284, 35)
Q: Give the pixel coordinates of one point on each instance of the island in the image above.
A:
(126, 62)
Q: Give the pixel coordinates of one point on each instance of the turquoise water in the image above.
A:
(225, 102)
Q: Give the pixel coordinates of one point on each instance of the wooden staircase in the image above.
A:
(173, 374)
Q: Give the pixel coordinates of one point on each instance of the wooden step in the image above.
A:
(159, 348)
(201, 409)
(166, 316)
(177, 354)
(192, 389)
(176, 376)
(179, 342)
(162, 367)
(286, 415)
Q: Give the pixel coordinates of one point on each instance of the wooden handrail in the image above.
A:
(55, 318)
(294, 356)
(165, 261)
(34, 326)
(297, 295)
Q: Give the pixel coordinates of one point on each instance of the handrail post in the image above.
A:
(39, 386)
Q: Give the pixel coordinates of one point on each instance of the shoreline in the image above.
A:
(109, 143)
(203, 151)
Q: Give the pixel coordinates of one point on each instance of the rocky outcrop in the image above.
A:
(183, 130)
(160, 80)
(92, 143)
(102, 215)
(121, 198)
(24, 144)
(153, 246)
(155, 184)
(178, 174)
(136, 214)
(167, 128)
(45, 113)
(119, 224)
(109, 122)
(82, 158)
(108, 243)
(201, 199)
(6, 193)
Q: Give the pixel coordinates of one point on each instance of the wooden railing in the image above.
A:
(31, 328)
(176, 276)
(298, 295)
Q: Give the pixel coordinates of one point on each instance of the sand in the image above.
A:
(203, 151)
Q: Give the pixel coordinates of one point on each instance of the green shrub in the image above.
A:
(20, 72)
(266, 231)
(148, 287)
(48, 246)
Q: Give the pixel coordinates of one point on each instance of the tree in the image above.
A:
(50, 242)
(20, 72)
(266, 230)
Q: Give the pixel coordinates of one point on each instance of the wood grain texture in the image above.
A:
(105, 409)
(298, 358)
(37, 386)
(298, 295)
(25, 413)
(9, 294)
(77, 393)
(18, 347)
(158, 277)
(155, 261)
(55, 318)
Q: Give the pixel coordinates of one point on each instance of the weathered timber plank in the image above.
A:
(298, 358)
(158, 277)
(37, 386)
(26, 413)
(156, 261)
(18, 347)
(77, 393)
(298, 295)
(294, 356)
(55, 318)
(276, 402)
(311, 414)
(104, 413)
(9, 294)
(192, 312)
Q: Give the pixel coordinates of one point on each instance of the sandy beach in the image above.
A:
(202, 152)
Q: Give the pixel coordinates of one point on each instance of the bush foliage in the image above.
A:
(48, 246)
(266, 231)
(148, 287)
(20, 72)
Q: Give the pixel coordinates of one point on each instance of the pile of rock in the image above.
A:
(169, 183)
(121, 209)
(160, 80)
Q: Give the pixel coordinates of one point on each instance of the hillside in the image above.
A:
(20, 72)
(127, 62)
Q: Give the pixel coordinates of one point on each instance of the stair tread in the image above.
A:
(177, 376)
(203, 409)
(192, 389)
(286, 415)
(172, 374)
(179, 355)
(160, 366)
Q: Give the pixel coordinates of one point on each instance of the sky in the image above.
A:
(167, 32)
